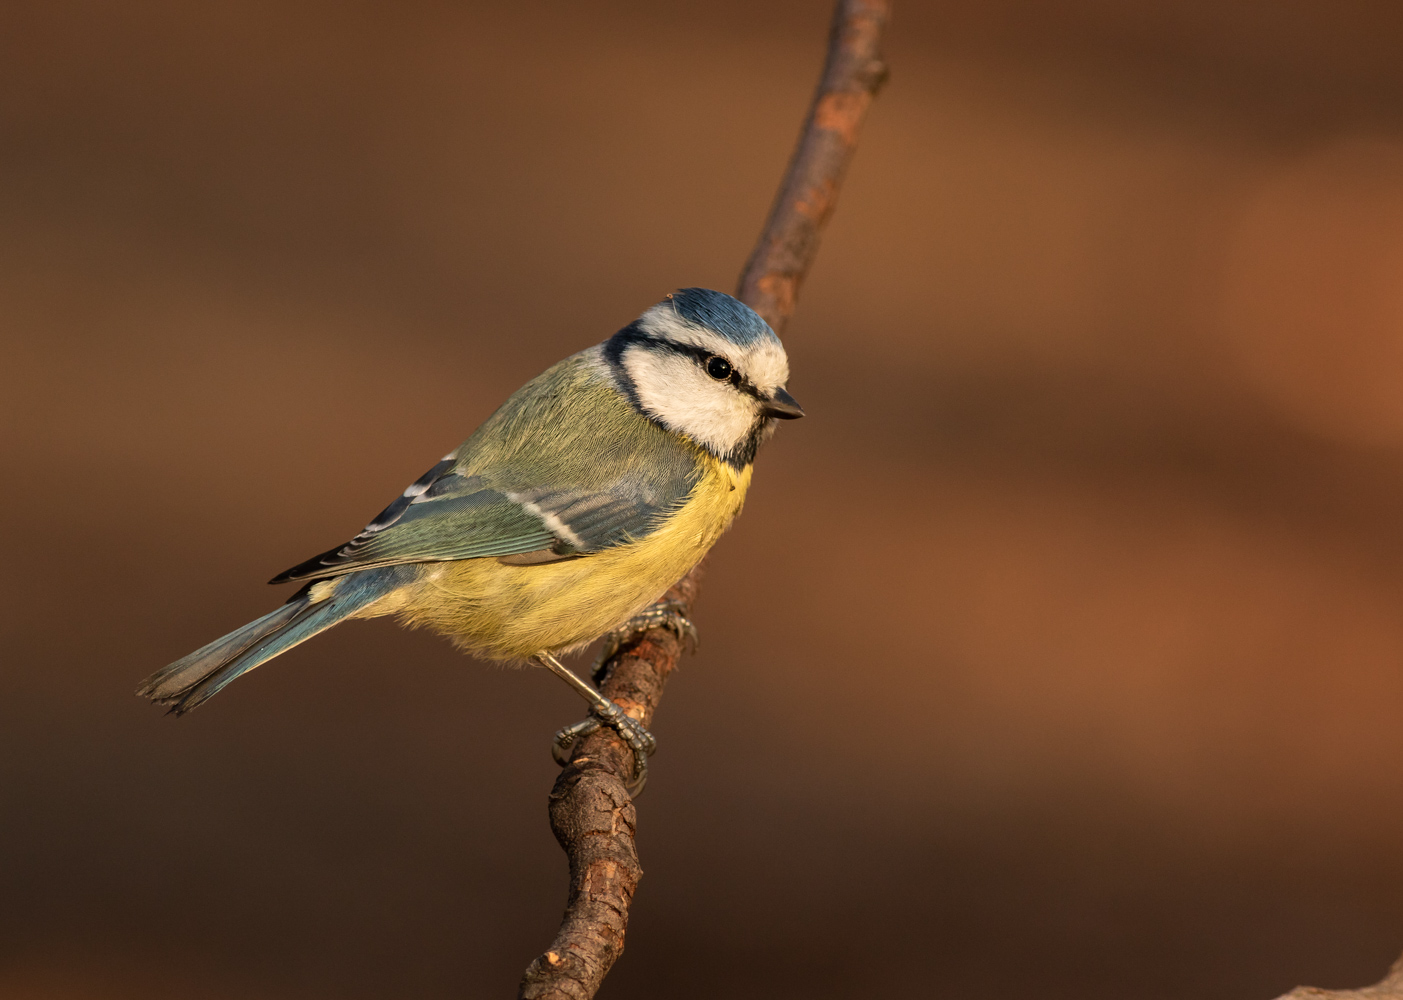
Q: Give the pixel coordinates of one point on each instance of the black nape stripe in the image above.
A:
(614, 349)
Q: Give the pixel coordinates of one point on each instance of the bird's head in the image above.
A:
(704, 364)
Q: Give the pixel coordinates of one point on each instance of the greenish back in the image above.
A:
(565, 464)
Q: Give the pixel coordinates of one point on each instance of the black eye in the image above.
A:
(718, 368)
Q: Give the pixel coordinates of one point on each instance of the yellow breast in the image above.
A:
(511, 612)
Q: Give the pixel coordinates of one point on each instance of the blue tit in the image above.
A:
(570, 511)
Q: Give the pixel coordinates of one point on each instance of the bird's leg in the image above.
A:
(665, 614)
(603, 712)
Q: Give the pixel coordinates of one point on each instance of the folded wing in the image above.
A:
(445, 515)
(565, 467)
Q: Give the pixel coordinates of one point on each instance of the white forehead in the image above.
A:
(764, 362)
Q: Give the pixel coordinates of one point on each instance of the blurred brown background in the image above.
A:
(1059, 652)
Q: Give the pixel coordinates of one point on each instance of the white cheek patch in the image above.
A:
(675, 390)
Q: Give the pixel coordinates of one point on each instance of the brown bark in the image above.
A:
(788, 244)
(1388, 988)
(591, 813)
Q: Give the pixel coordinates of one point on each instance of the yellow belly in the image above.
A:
(507, 612)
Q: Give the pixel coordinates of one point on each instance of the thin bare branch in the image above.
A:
(852, 76)
(591, 813)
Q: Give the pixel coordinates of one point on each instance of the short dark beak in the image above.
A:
(784, 406)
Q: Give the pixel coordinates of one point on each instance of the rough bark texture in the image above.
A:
(590, 810)
(1388, 988)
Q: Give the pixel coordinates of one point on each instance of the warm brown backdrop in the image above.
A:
(1069, 625)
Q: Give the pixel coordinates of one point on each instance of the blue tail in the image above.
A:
(194, 679)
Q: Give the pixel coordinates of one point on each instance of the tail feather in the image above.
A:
(169, 682)
(194, 679)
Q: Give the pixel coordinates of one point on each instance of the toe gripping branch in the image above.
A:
(664, 614)
(603, 712)
(630, 730)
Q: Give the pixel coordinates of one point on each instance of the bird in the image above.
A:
(563, 518)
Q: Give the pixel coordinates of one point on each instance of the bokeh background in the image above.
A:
(1059, 652)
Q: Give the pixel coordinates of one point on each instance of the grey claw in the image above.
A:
(565, 739)
(640, 779)
(603, 712)
(663, 614)
(630, 730)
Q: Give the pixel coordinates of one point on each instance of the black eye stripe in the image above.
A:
(633, 335)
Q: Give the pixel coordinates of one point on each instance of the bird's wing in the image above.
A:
(442, 515)
(563, 469)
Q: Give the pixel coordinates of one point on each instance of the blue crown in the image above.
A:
(730, 317)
